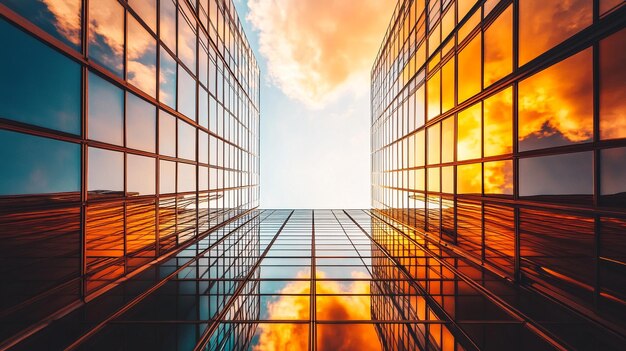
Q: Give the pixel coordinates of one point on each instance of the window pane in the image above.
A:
(500, 236)
(186, 39)
(607, 5)
(556, 105)
(141, 54)
(499, 47)
(420, 106)
(469, 133)
(61, 19)
(104, 243)
(140, 233)
(106, 172)
(25, 96)
(434, 146)
(612, 88)
(447, 179)
(186, 141)
(420, 148)
(563, 21)
(34, 165)
(447, 93)
(203, 107)
(167, 83)
(433, 179)
(106, 111)
(469, 179)
(167, 23)
(469, 69)
(203, 147)
(559, 178)
(447, 140)
(167, 134)
(498, 177)
(186, 177)
(186, 94)
(140, 175)
(140, 124)
(167, 179)
(498, 119)
(556, 255)
(146, 9)
(106, 35)
(433, 90)
(613, 176)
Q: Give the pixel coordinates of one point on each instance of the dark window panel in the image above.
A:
(613, 176)
(613, 267)
(500, 237)
(557, 251)
(140, 233)
(45, 95)
(36, 165)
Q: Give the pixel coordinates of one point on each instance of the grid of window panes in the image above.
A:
(319, 280)
(498, 126)
(127, 129)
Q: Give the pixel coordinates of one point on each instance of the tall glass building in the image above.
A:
(128, 130)
(499, 139)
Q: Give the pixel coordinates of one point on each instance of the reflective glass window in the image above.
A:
(186, 94)
(469, 179)
(167, 83)
(564, 20)
(447, 179)
(447, 140)
(565, 177)
(498, 120)
(141, 58)
(187, 38)
(499, 47)
(106, 35)
(186, 140)
(61, 19)
(434, 145)
(30, 91)
(433, 90)
(106, 111)
(420, 106)
(146, 9)
(433, 179)
(613, 175)
(469, 80)
(167, 23)
(203, 107)
(167, 134)
(140, 124)
(35, 165)
(203, 147)
(186, 177)
(608, 5)
(448, 86)
(556, 104)
(167, 177)
(612, 87)
(498, 177)
(140, 175)
(420, 148)
(106, 172)
(469, 133)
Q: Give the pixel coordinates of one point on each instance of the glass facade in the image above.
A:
(497, 132)
(111, 157)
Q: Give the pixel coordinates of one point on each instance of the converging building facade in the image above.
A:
(499, 138)
(128, 130)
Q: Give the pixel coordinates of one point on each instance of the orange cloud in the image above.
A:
(331, 307)
(316, 47)
(67, 18)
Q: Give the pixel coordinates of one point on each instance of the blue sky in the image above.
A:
(315, 114)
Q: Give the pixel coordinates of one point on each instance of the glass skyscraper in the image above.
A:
(499, 137)
(128, 129)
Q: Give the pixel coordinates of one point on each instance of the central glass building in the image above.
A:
(128, 130)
